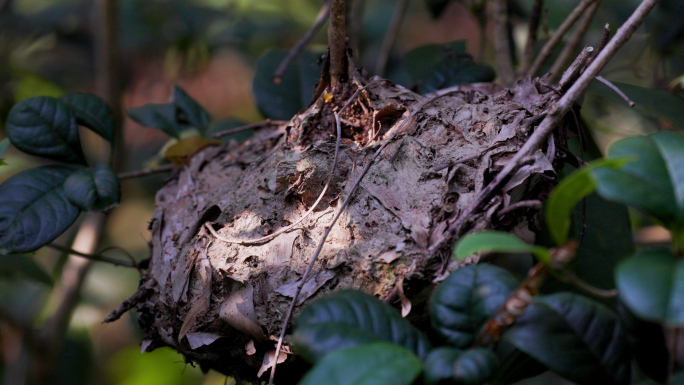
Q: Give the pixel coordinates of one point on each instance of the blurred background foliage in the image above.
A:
(211, 49)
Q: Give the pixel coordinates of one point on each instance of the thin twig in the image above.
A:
(390, 37)
(502, 49)
(553, 117)
(336, 38)
(442, 166)
(145, 172)
(571, 47)
(570, 277)
(315, 204)
(93, 257)
(575, 68)
(252, 126)
(532, 28)
(322, 16)
(604, 40)
(529, 204)
(615, 89)
(321, 242)
(558, 36)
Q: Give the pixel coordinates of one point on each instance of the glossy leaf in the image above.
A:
(496, 241)
(95, 189)
(362, 312)
(651, 284)
(22, 265)
(379, 363)
(284, 100)
(467, 367)
(159, 116)
(34, 209)
(46, 127)
(315, 340)
(92, 112)
(575, 337)
(195, 114)
(654, 183)
(436, 66)
(569, 191)
(471, 295)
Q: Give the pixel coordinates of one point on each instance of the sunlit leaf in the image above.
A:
(380, 363)
(46, 127)
(575, 337)
(92, 112)
(93, 189)
(34, 209)
(495, 241)
(651, 284)
(471, 295)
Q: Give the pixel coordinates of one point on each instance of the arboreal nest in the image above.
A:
(222, 304)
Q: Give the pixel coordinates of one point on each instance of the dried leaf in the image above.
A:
(197, 339)
(310, 287)
(269, 361)
(249, 348)
(405, 302)
(238, 312)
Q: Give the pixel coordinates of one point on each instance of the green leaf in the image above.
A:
(92, 112)
(379, 363)
(4, 144)
(436, 7)
(160, 116)
(468, 367)
(651, 284)
(361, 312)
(471, 295)
(295, 92)
(436, 66)
(313, 341)
(654, 183)
(16, 264)
(496, 241)
(575, 337)
(46, 127)
(95, 189)
(569, 191)
(193, 112)
(34, 209)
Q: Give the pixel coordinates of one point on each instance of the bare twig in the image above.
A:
(145, 172)
(337, 42)
(95, 257)
(575, 68)
(277, 77)
(502, 49)
(442, 166)
(571, 47)
(529, 204)
(252, 126)
(532, 28)
(570, 277)
(390, 37)
(615, 89)
(558, 36)
(321, 242)
(555, 114)
(604, 40)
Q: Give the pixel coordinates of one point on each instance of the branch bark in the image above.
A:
(574, 41)
(336, 38)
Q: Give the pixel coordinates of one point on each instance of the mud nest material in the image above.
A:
(222, 304)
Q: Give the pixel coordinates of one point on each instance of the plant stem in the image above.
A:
(535, 17)
(502, 49)
(336, 38)
(390, 37)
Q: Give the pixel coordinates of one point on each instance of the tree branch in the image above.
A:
(574, 41)
(502, 49)
(390, 37)
(532, 28)
(336, 38)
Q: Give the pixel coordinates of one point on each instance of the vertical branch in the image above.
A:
(558, 35)
(574, 42)
(532, 28)
(502, 49)
(390, 37)
(336, 38)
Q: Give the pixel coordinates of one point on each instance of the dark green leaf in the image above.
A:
(34, 209)
(313, 341)
(92, 112)
(654, 182)
(380, 363)
(454, 366)
(577, 338)
(569, 191)
(195, 114)
(16, 264)
(363, 312)
(650, 102)
(159, 116)
(46, 127)
(496, 241)
(93, 190)
(651, 284)
(515, 365)
(436, 7)
(471, 295)
(295, 92)
(436, 66)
